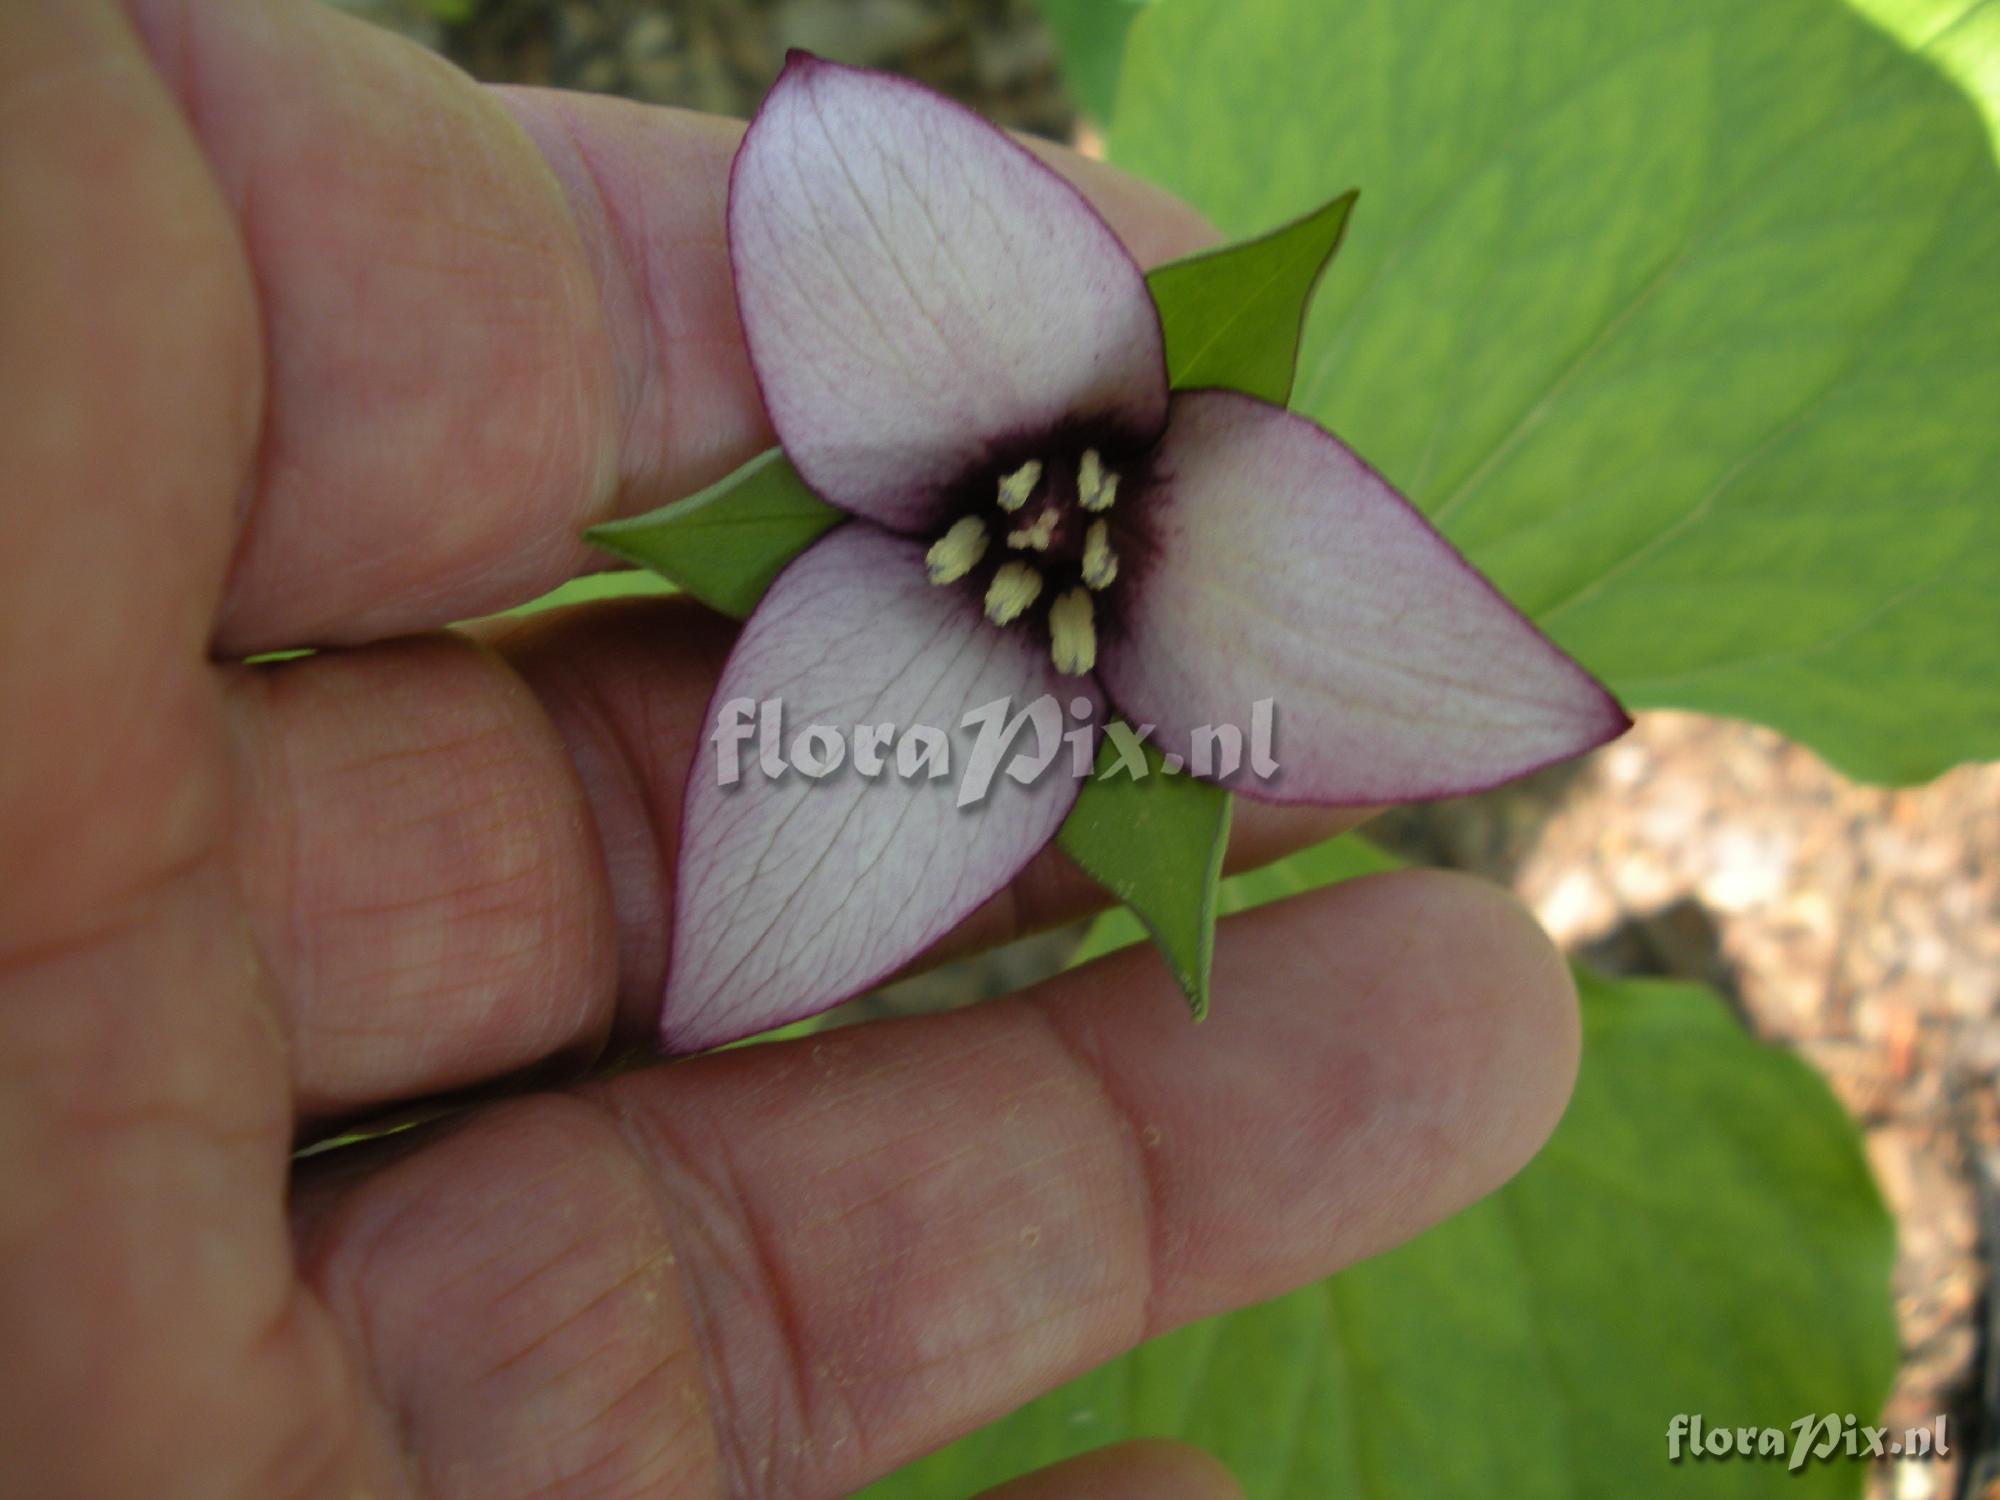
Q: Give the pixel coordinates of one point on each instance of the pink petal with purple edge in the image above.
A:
(917, 289)
(1282, 567)
(794, 894)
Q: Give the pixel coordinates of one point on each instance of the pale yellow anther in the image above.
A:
(1016, 487)
(1095, 488)
(1073, 633)
(1100, 563)
(1038, 536)
(954, 554)
(1013, 589)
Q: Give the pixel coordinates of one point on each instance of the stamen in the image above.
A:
(1073, 633)
(954, 554)
(1013, 589)
(1095, 488)
(1037, 536)
(1019, 485)
(1100, 563)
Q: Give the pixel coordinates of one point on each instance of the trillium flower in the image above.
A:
(957, 352)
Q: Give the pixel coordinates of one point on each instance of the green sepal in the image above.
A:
(725, 544)
(1345, 857)
(1233, 317)
(1156, 843)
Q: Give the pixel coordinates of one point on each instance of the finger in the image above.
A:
(1145, 1469)
(459, 861)
(788, 1269)
(421, 870)
(492, 318)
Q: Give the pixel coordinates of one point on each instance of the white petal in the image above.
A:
(795, 893)
(916, 289)
(1283, 568)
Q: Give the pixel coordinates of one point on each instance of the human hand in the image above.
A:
(307, 340)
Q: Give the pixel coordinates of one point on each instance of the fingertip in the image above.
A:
(1499, 1002)
(1378, 1055)
(1449, 1033)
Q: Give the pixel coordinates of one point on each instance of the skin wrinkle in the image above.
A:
(894, 1187)
(641, 1389)
(721, 1177)
(624, 1164)
(851, 1208)
(477, 949)
(302, 1318)
(128, 912)
(659, 809)
(628, 1481)
(256, 1104)
(658, 1169)
(683, 1153)
(182, 71)
(1020, 1333)
(661, 1259)
(646, 361)
(676, 434)
(725, 1149)
(474, 1267)
(393, 1404)
(1143, 1188)
(627, 764)
(560, 1260)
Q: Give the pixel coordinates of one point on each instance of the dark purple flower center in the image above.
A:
(1039, 532)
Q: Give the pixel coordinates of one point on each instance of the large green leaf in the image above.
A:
(1682, 320)
(1700, 1236)
(1090, 35)
(725, 544)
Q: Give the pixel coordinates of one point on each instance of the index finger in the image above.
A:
(786, 1270)
(491, 317)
